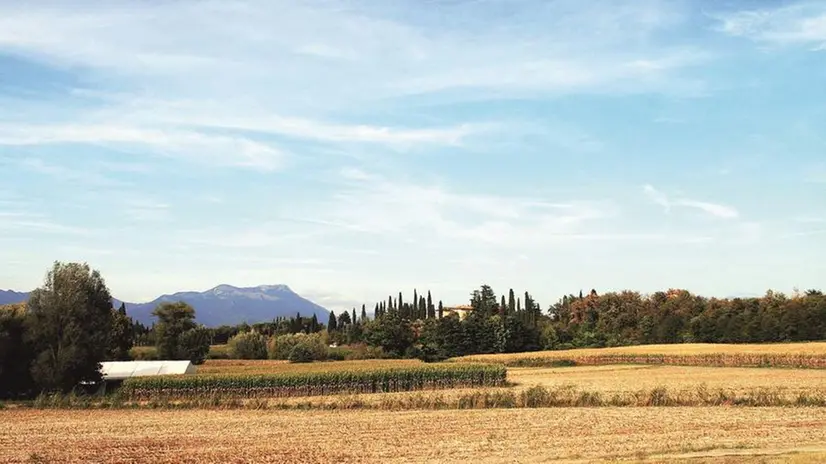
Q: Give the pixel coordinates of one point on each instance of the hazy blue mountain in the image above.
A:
(9, 297)
(223, 304)
(226, 304)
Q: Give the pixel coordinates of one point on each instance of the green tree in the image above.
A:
(70, 322)
(391, 332)
(363, 313)
(301, 353)
(332, 323)
(511, 302)
(195, 345)
(177, 336)
(441, 309)
(121, 337)
(16, 353)
(344, 319)
(248, 345)
(431, 310)
(484, 301)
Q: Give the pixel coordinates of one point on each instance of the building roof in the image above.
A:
(120, 370)
(460, 307)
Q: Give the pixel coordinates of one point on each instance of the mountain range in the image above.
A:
(223, 304)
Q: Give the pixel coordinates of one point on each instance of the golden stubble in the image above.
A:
(483, 436)
(677, 349)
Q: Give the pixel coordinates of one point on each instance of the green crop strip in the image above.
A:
(316, 383)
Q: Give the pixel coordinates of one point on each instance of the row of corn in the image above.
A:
(316, 383)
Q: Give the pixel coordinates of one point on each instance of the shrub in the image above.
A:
(354, 352)
(338, 353)
(220, 352)
(194, 344)
(144, 353)
(282, 346)
(302, 353)
(248, 345)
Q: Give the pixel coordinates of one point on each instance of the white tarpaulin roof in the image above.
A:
(119, 370)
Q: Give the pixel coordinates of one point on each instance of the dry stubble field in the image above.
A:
(720, 434)
(527, 435)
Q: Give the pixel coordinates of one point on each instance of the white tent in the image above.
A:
(120, 370)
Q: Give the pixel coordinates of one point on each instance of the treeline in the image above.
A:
(678, 316)
(145, 336)
(432, 332)
(508, 324)
(56, 341)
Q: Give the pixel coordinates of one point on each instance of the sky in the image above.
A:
(352, 149)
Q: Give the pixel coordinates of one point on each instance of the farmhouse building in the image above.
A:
(461, 310)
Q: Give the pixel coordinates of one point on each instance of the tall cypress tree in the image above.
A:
(422, 308)
(511, 302)
(363, 313)
(415, 305)
(441, 309)
(431, 310)
(401, 306)
(502, 306)
(354, 316)
(332, 324)
(518, 306)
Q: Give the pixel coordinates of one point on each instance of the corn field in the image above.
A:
(315, 383)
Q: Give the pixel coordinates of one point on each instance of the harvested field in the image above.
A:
(624, 378)
(788, 355)
(569, 435)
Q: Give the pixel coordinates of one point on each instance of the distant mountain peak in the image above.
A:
(226, 288)
(274, 288)
(223, 304)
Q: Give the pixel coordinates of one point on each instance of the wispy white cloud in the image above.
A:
(370, 203)
(86, 177)
(657, 197)
(802, 23)
(379, 50)
(145, 209)
(16, 222)
(218, 149)
(713, 209)
(200, 115)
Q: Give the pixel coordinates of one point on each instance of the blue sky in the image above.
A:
(351, 148)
